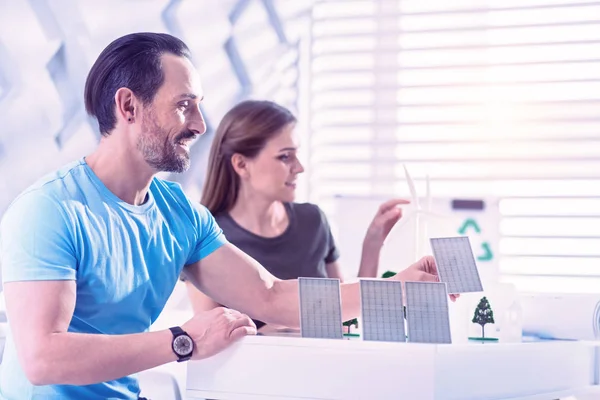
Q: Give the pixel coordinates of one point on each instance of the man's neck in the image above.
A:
(123, 171)
(261, 217)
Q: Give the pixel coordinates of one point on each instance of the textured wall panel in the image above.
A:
(48, 46)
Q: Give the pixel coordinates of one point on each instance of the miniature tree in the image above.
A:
(483, 314)
(352, 322)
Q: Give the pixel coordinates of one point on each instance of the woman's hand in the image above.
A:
(388, 214)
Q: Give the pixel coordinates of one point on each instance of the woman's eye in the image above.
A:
(284, 157)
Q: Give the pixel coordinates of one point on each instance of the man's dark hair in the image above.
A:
(132, 61)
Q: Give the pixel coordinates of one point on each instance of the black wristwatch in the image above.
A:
(182, 344)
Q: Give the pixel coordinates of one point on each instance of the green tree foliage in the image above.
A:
(483, 314)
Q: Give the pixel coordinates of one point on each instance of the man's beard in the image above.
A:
(159, 150)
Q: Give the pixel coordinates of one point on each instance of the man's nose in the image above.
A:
(197, 123)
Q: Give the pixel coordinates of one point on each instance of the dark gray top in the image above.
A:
(301, 251)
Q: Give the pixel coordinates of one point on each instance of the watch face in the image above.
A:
(183, 345)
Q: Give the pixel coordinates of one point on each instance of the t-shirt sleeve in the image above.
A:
(36, 243)
(210, 235)
(333, 253)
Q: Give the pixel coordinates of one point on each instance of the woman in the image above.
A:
(250, 189)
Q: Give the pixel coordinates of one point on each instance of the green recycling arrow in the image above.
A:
(488, 253)
(470, 222)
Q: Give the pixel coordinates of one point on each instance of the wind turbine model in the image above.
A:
(421, 216)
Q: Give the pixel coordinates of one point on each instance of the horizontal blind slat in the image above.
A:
(495, 98)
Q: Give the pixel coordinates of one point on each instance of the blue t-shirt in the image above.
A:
(125, 260)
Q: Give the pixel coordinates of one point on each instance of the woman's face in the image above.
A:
(272, 173)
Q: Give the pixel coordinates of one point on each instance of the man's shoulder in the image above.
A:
(168, 185)
(173, 196)
(56, 186)
(170, 192)
(47, 199)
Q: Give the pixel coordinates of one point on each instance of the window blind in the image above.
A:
(490, 98)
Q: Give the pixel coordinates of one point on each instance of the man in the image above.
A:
(91, 253)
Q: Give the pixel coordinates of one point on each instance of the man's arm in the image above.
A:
(236, 280)
(40, 313)
(200, 302)
(233, 278)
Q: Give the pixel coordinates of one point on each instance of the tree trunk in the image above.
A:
(482, 331)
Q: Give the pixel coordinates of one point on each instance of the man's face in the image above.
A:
(173, 120)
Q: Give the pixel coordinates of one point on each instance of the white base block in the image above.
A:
(296, 368)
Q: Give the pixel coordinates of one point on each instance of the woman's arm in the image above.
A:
(388, 214)
(369, 265)
(334, 270)
(369, 260)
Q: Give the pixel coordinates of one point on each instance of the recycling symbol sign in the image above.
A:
(485, 252)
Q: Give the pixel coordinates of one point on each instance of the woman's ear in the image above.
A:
(239, 164)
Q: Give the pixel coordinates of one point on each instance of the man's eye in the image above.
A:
(184, 104)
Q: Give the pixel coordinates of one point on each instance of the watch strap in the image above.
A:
(176, 331)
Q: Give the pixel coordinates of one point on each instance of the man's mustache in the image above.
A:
(185, 135)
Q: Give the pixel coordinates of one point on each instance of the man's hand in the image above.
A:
(423, 270)
(214, 330)
(388, 214)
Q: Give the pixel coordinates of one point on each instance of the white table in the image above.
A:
(263, 367)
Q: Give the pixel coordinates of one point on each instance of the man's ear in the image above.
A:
(125, 102)
(239, 164)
